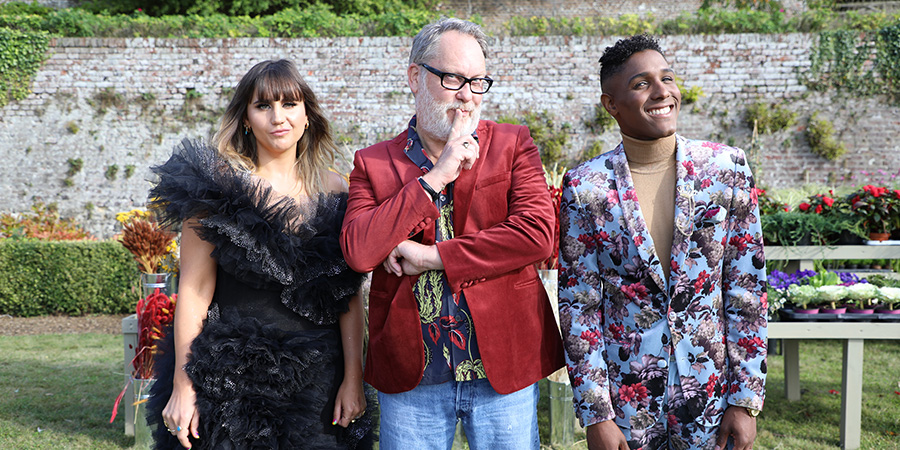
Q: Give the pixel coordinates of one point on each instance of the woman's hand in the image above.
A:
(350, 403)
(181, 416)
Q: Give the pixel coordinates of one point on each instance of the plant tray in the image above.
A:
(790, 316)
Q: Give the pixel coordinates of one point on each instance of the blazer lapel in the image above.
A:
(464, 186)
(634, 219)
(407, 172)
(684, 203)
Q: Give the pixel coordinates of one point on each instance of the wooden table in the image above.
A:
(853, 335)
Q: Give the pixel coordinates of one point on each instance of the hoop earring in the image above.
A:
(305, 127)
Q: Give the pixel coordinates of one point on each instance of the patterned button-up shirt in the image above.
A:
(451, 351)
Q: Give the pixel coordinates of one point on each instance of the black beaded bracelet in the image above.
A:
(429, 189)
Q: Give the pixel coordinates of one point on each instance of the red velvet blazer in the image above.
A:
(503, 222)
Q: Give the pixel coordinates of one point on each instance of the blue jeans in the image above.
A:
(425, 417)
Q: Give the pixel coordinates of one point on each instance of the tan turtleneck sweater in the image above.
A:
(652, 165)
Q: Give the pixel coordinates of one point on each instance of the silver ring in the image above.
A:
(466, 144)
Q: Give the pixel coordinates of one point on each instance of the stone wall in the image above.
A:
(123, 103)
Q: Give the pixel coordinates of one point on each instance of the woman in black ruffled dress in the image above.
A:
(266, 350)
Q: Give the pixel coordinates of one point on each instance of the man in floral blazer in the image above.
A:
(662, 278)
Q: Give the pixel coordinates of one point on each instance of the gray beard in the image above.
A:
(431, 116)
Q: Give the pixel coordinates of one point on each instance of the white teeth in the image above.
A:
(660, 111)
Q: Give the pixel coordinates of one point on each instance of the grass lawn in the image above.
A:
(56, 392)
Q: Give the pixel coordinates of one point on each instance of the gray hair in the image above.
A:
(424, 45)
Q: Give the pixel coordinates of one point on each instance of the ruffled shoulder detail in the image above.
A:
(262, 238)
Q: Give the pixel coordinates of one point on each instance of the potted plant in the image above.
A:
(803, 297)
(861, 295)
(842, 227)
(788, 228)
(890, 300)
(877, 208)
(831, 298)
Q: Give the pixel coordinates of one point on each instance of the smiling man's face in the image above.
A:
(643, 97)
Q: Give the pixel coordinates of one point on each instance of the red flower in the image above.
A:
(828, 201)
(751, 345)
(592, 337)
(700, 281)
(804, 207)
(631, 392)
(711, 385)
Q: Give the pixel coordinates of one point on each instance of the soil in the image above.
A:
(15, 326)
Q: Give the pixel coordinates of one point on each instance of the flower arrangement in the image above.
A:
(154, 313)
(149, 244)
(878, 207)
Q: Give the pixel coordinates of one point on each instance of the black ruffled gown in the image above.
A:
(268, 363)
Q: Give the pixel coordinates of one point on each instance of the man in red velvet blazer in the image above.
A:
(451, 216)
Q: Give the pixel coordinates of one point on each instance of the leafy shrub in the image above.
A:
(820, 135)
(43, 222)
(551, 139)
(601, 121)
(74, 278)
(769, 118)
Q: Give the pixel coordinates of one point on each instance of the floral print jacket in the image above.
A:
(639, 348)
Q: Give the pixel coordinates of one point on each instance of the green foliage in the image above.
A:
(838, 61)
(21, 55)
(43, 222)
(689, 95)
(307, 19)
(888, 61)
(595, 149)
(551, 138)
(129, 171)
(75, 165)
(820, 135)
(44, 277)
(624, 25)
(601, 121)
(111, 172)
(246, 8)
(107, 98)
(769, 118)
(866, 63)
(72, 127)
(788, 228)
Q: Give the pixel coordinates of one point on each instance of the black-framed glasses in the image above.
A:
(455, 82)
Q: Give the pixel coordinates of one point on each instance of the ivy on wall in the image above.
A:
(21, 55)
(866, 63)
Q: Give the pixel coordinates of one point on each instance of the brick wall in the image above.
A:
(73, 111)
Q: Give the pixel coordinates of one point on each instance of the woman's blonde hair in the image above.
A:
(271, 81)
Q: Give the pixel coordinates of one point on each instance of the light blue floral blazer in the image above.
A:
(644, 352)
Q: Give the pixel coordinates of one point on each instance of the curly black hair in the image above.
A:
(614, 57)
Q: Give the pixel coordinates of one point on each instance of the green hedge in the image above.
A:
(317, 20)
(72, 278)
